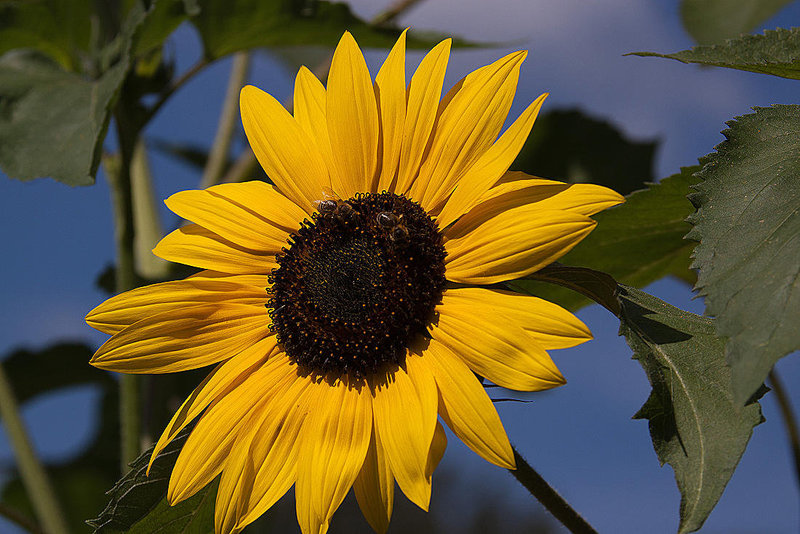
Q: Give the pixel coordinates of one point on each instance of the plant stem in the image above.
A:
(33, 475)
(789, 419)
(174, 86)
(393, 11)
(550, 499)
(122, 200)
(228, 118)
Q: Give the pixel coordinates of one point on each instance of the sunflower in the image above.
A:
(355, 303)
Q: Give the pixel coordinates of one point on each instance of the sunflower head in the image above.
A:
(373, 258)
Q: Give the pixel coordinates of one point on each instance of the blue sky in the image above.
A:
(581, 437)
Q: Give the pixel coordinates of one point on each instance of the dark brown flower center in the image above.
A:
(357, 284)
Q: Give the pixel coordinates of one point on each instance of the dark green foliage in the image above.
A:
(713, 21)
(695, 423)
(774, 52)
(748, 223)
(637, 243)
(571, 146)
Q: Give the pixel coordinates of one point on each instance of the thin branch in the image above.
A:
(34, 477)
(789, 419)
(227, 121)
(19, 519)
(393, 11)
(176, 84)
(550, 499)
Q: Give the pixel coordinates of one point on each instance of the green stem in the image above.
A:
(789, 419)
(228, 119)
(550, 499)
(33, 475)
(122, 200)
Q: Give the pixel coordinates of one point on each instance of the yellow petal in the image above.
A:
(275, 459)
(262, 465)
(467, 128)
(491, 166)
(518, 189)
(123, 310)
(494, 347)
(183, 339)
(352, 115)
(333, 445)
(424, 92)
(551, 326)
(206, 451)
(405, 419)
(506, 245)
(438, 446)
(466, 408)
(310, 111)
(374, 487)
(219, 382)
(247, 224)
(390, 93)
(290, 158)
(194, 245)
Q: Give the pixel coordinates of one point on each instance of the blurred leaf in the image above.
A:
(58, 28)
(53, 122)
(573, 147)
(637, 243)
(694, 422)
(775, 52)
(713, 21)
(748, 223)
(137, 495)
(196, 156)
(57, 366)
(227, 26)
(164, 17)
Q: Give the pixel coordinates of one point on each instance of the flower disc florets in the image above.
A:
(356, 284)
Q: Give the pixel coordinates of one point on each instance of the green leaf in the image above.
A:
(53, 122)
(571, 146)
(637, 243)
(748, 225)
(713, 21)
(598, 286)
(227, 26)
(695, 424)
(138, 501)
(775, 52)
(58, 28)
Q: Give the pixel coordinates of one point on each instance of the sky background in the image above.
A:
(580, 437)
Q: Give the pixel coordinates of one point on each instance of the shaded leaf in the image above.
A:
(775, 52)
(748, 225)
(227, 26)
(637, 242)
(192, 516)
(713, 21)
(53, 122)
(57, 366)
(569, 145)
(136, 496)
(598, 286)
(695, 424)
(59, 29)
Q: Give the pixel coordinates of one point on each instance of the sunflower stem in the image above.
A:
(228, 118)
(550, 499)
(122, 200)
(789, 419)
(31, 470)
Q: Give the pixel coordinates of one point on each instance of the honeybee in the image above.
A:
(394, 224)
(332, 205)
